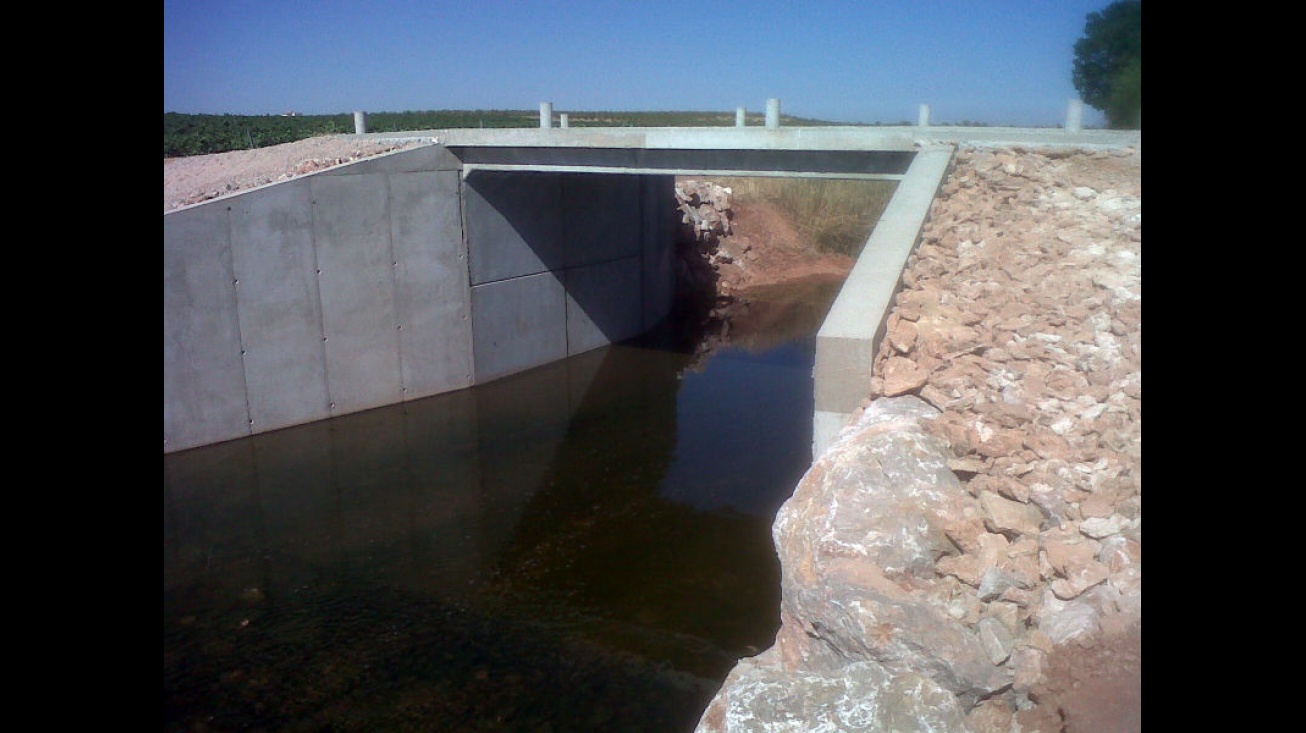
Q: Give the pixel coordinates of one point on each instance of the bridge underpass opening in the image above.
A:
(570, 249)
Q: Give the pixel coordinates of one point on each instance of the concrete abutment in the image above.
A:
(481, 253)
(398, 278)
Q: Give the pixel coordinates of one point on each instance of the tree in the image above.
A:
(1108, 70)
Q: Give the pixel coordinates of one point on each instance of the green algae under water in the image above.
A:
(582, 547)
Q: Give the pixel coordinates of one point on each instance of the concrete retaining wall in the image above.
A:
(421, 272)
(368, 285)
(847, 341)
(564, 263)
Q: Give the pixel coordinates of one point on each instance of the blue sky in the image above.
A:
(1000, 62)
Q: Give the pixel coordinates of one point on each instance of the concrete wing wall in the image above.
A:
(846, 344)
(321, 296)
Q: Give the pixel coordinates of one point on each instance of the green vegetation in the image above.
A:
(187, 134)
(835, 215)
(1108, 71)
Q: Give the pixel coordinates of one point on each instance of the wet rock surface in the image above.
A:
(968, 555)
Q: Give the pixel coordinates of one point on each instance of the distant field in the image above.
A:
(187, 134)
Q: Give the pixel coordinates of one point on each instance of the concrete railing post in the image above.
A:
(739, 116)
(772, 114)
(564, 119)
(1075, 116)
(546, 114)
(360, 123)
(924, 120)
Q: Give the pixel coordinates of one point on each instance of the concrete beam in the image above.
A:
(839, 163)
(718, 172)
(866, 138)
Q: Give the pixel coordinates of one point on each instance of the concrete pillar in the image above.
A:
(925, 116)
(1075, 116)
(564, 119)
(546, 114)
(772, 114)
(360, 123)
(739, 116)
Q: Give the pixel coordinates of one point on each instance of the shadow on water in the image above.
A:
(585, 546)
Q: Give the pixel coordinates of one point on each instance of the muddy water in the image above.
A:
(585, 546)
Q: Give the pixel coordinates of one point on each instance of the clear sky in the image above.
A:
(999, 62)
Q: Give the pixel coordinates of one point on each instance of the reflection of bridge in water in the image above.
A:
(487, 252)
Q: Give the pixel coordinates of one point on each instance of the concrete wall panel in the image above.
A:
(433, 305)
(603, 304)
(356, 276)
(600, 218)
(659, 220)
(514, 224)
(518, 324)
(203, 377)
(280, 314)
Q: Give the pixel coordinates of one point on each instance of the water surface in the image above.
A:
(585, 546)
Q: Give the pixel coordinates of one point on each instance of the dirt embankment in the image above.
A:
(741, 263)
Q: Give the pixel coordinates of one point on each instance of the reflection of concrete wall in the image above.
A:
(355, 287)
(321, 296)
(426, 494)
(562, 263)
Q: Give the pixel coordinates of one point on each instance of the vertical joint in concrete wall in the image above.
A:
(360, 123)
(924, 120)
(739, 116)
(546, 114)
(1074, 115)
(564, 120)
(772, 114)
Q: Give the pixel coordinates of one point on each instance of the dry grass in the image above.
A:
(835, 215)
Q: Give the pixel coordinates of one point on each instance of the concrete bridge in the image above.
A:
(482, 253)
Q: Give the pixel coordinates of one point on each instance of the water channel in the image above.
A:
(582, 547)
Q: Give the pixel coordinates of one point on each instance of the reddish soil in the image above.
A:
(773, 251)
